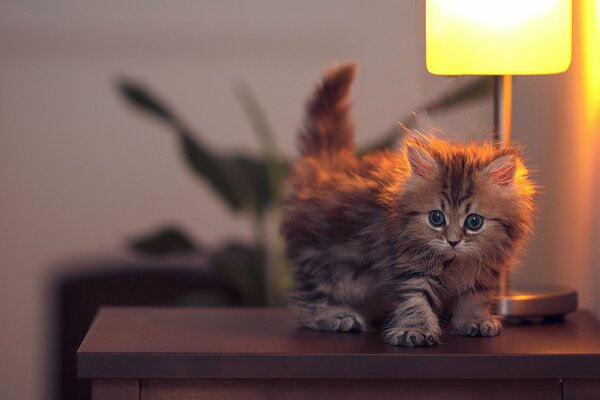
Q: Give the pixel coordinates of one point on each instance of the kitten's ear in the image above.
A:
(502, 170)
(421, 162)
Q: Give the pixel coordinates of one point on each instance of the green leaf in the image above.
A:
(239, 264)
(255, 172)
(257, 118)
(224, 178)
(247, 185)
(168, 240)
(261, 127)
(243, 266)
(139, 97)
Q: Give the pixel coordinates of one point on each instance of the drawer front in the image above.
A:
(350, 389)
(581, 389)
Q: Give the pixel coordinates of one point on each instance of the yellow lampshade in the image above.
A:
(498, 37)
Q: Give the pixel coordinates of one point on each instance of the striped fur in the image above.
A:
(328, 127)
(359, 239)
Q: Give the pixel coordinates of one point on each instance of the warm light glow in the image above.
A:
(590, 26)
(498, 37)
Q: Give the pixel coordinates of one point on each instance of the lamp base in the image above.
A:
(536, 304)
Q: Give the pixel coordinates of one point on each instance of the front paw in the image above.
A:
(338, 320)
(487, 326)
(411, 337)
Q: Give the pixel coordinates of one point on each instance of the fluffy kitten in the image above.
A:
(393, 234)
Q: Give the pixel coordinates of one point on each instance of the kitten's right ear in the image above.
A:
(421, 162)
(501, 171)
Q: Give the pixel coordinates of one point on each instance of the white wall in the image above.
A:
(80, 172)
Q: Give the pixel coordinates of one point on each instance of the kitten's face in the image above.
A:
(465, 227)
(467, 211)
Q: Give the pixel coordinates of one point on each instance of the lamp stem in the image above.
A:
(503, 124)
(503, 108)
(523, 304)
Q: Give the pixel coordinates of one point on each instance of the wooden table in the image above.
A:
(200, 353)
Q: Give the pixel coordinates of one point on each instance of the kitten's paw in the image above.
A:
(405, 336)
(489, 326)
(340, 320)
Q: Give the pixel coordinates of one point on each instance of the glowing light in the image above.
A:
(503, 37)
(590, 26)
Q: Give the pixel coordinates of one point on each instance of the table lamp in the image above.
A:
(504, 38)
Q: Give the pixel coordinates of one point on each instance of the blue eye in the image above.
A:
(474, 222)
(436, 218)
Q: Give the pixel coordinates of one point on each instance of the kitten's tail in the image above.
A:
(328, 128)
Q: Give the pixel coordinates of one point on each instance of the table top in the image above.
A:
(226, 343)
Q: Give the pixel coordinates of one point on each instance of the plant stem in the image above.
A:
(261, 237)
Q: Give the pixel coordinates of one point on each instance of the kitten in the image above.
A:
(392, 234)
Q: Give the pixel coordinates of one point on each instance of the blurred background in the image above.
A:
(111, 114)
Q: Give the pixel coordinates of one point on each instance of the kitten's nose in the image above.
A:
(453, 242)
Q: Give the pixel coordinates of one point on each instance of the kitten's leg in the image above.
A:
(472, 315)
(316, 312)
(414, 322)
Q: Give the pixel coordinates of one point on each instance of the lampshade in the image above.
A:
(498, 37)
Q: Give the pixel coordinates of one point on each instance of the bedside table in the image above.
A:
(209, 353)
